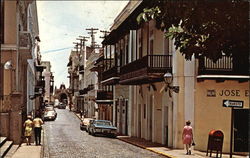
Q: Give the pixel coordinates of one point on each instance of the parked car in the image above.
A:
(84, 123)
(61, 106)
(49, 115)
(103, 127)
(50, 108)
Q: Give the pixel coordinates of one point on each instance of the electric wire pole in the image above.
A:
(92, 35)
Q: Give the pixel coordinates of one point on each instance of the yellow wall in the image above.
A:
(158, 41)
(178, 100)
(209, 112)
(158, 113)
(144, 39)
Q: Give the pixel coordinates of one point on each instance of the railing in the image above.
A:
(104, 95)
(112, 72)
(151, 62)
(225, 65)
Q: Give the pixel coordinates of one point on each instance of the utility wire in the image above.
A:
(55, 50)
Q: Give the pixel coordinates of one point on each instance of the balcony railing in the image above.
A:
(223, 66)
(104, 97)
(110, 73)
(148, 69)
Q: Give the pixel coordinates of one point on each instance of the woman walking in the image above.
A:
(28, 126)
(187, 137)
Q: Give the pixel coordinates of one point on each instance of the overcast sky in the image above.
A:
(61, 22)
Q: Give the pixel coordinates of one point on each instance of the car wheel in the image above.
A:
(93, 133)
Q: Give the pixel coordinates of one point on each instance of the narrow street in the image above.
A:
(64, 139)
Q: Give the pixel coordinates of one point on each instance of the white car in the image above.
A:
(49, 115)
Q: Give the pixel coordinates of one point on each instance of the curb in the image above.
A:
(152, 150)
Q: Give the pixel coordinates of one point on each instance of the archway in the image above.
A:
(63, 98)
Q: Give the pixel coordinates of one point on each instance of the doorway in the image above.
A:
(139, 120)
(150, 117)
(241, 122)
(166, 125)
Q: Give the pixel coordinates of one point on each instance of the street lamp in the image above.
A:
(168, 78)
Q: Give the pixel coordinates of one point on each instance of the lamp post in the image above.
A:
(168, 78)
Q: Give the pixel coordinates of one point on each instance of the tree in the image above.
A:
(203, 28)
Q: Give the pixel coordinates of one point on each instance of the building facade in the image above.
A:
(138, 56)
(20, 56)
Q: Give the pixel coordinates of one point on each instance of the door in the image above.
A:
(241, 122)
(150, 117)
(166, 125)
(139, 121)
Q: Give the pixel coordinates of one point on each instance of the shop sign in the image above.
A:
(233, 103)
(227, 93)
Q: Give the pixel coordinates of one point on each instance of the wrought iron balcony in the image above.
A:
(110, 76)
(41, 83)
(148, 69)
(224, 66)
(104, 97)
(81, 69)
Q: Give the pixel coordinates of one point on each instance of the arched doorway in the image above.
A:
(63, 98)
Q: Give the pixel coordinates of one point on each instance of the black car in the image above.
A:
(61, 106)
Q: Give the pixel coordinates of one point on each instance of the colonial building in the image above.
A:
(136, 59)
(49, 81)
(20, 59)
(73, 79)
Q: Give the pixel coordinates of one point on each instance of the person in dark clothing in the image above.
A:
(37, 123)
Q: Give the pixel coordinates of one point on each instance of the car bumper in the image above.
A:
(83, 127)
(47, 118)
(105, 132)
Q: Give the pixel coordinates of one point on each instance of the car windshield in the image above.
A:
(49, 108)
(103, 123)
(49, 113)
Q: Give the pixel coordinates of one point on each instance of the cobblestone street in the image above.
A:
(64, 139)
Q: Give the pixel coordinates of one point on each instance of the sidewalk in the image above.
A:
(162, 150)
(170, 153)
(30, 151)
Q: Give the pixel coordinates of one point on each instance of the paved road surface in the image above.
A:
(64, 139)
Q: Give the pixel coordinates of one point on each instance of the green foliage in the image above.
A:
(203, 28)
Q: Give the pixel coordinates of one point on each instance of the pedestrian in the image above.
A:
(37, 122)
(81, 113)
(28, 126)
(187, 137)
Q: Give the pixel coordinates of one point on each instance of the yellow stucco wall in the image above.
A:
(158, 113)
(158, 44)
(209, 112)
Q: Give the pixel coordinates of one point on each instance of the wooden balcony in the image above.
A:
(148, 69)
(104, 97)
(110, 76)
(224, 66)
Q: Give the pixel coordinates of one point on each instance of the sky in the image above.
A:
(61, 22)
